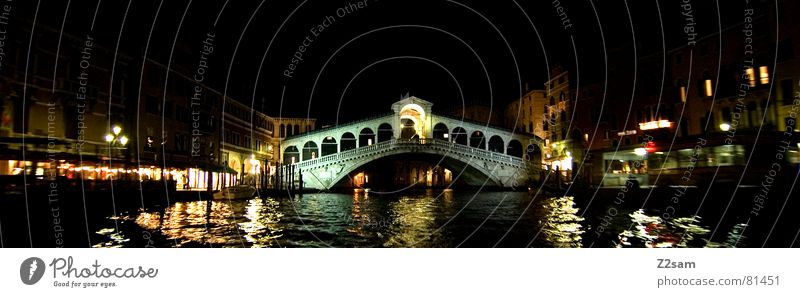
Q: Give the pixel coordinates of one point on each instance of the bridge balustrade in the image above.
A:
(437, 144)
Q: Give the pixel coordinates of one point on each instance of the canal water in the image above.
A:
(412, 218)
(433, 218)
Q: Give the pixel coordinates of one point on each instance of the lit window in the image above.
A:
(751, 77)
(683, 94)
(764, 73)
(709, 91)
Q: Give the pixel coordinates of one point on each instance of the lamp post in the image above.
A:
(116, 138)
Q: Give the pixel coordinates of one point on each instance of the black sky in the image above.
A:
(447, 52)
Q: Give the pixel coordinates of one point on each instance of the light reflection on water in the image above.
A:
(656, 232)
(423, 219)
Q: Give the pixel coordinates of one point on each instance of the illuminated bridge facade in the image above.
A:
(478, 154)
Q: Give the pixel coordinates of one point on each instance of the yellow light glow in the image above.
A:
(709, 91)
(566, 164)
(655, 125)
(751, 77)
(764, 74)
(683, 94)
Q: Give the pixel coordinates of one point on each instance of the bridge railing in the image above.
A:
(446, 146)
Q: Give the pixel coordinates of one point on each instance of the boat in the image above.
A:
(236, 192)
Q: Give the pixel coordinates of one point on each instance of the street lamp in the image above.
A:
(724, 127)
(115, 137)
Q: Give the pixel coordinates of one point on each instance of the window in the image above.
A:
(168, 110)
(681, 90)
(752, 114)
(787, 90)
(709, 90)
(151, 105)
(726, 115)
(785, 50)
(763, 72)
(181, 142)
(751, 77)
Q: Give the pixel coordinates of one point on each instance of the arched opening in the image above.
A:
(289, 130)
(416, 115)
(385, 132)
(496, 144)
(310, 151)
(408, 131)
(399, 171)
(329, 146)
(366, 137)
(296, 129)
(440, 131)
(283, 130)
(348, 141)
(291, 155)
(533, 153)
(476, 139)
(514, 148)
(459, 135)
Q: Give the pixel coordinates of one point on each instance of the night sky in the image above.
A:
(363, 59)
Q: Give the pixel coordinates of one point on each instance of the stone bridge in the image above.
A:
(477, 153)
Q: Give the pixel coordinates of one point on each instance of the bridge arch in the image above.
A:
(310, 150)
(514, 148)
(533, 153)
(459, 135)
(385, 132)
(329, 146)
(408, 128)
(462, 172)
(291, 155)
(366, 137)
(440, 131)
(477, 140)
(496, 144)
(348, 142)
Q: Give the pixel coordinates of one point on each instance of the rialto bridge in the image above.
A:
(476, 153)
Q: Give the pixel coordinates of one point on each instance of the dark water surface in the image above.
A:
(427, 219)
(421, 218)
